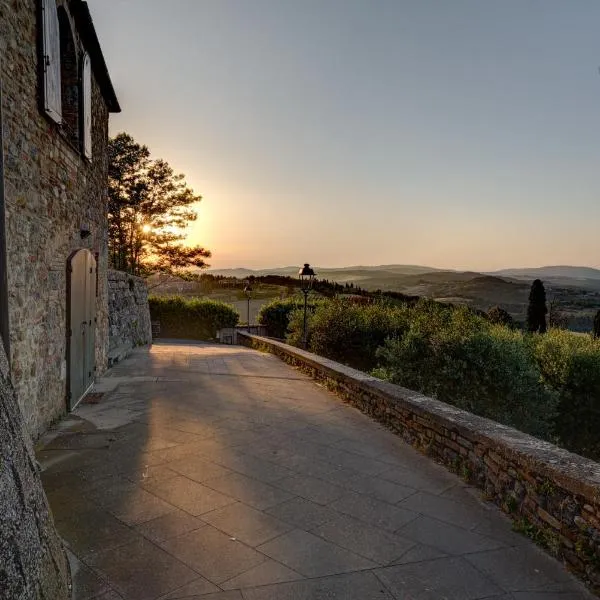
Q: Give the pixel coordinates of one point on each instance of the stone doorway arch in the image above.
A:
(81, 322)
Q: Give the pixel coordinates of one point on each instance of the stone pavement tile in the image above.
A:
(229, 595)
(448, 578)
(372, 543)
(146, 472)
(94, 531)
(247, 524)
(447, 538)
(172, 434)
(311, 467)
(419, 553)
(86, 584)
(235, 424)
(425, 480)
(500, 528)
(65, 502)
(251, 466)
(64, 461)
(198, 469)
(138, 507)
(266, 573)
(250, 491)
(188, 495)
(362, 586)
(312, 556)
(196, 588)
(168, 526)
(293, 461)
(180, 451)
(316, 490)
(233, 438)
(302, 513)
(349, 460)
(373, 511)
(550, 595)
(466, 515)
(141, 570)
(357, 446)
(108, 595)
(382, 489)
(213, 554)
(520, 569)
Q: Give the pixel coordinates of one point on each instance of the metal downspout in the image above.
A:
(4, 331)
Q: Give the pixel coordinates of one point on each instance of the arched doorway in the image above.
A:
(81, 315)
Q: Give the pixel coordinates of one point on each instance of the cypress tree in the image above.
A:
(536, 311)
(596, 330)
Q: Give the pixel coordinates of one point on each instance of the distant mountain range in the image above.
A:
(573, 290)
(560, 272)
(359, 272)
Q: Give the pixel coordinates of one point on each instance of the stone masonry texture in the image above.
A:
(33, 564)
(552, 495)
(52, 193)
(128, 315)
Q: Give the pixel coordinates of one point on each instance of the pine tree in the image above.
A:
(149, 206)
(536, 311)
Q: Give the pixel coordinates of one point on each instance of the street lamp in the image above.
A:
(307, 277)
(248, 292)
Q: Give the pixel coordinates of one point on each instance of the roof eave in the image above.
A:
(87, 31)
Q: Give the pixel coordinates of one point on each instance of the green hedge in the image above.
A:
(192, 319)
(275, 315)
(347, 331)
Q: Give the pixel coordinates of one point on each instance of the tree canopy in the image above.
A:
(148, 207)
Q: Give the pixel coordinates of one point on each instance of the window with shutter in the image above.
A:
(87, 106)
(51, 61)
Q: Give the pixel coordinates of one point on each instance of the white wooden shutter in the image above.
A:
(51, 58)
(87, 106)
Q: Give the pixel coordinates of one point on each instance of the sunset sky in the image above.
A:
(459, 134)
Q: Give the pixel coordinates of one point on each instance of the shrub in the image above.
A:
(193, 319)
(347, 331)
(498, 316)
(461, 359)
(276, 314)
(570, 364)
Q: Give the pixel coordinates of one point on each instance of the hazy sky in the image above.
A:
(452, 133)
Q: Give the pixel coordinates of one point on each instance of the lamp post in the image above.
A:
(248, 292)
(307, 277)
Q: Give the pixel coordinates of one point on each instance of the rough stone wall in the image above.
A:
(128, 315)
(33, 565)
(52, 192)
(552, 495)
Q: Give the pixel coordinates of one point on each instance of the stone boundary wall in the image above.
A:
(128, 315)
(552, 495)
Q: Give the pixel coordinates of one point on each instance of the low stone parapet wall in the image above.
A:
(552, 495)
(128, 315)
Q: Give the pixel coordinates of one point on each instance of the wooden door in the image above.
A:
(82, 325)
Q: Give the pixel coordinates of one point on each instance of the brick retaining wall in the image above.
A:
(552, 495)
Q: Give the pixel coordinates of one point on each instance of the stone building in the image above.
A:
(56, 99)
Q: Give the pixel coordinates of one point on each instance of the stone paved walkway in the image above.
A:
(217, 472)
